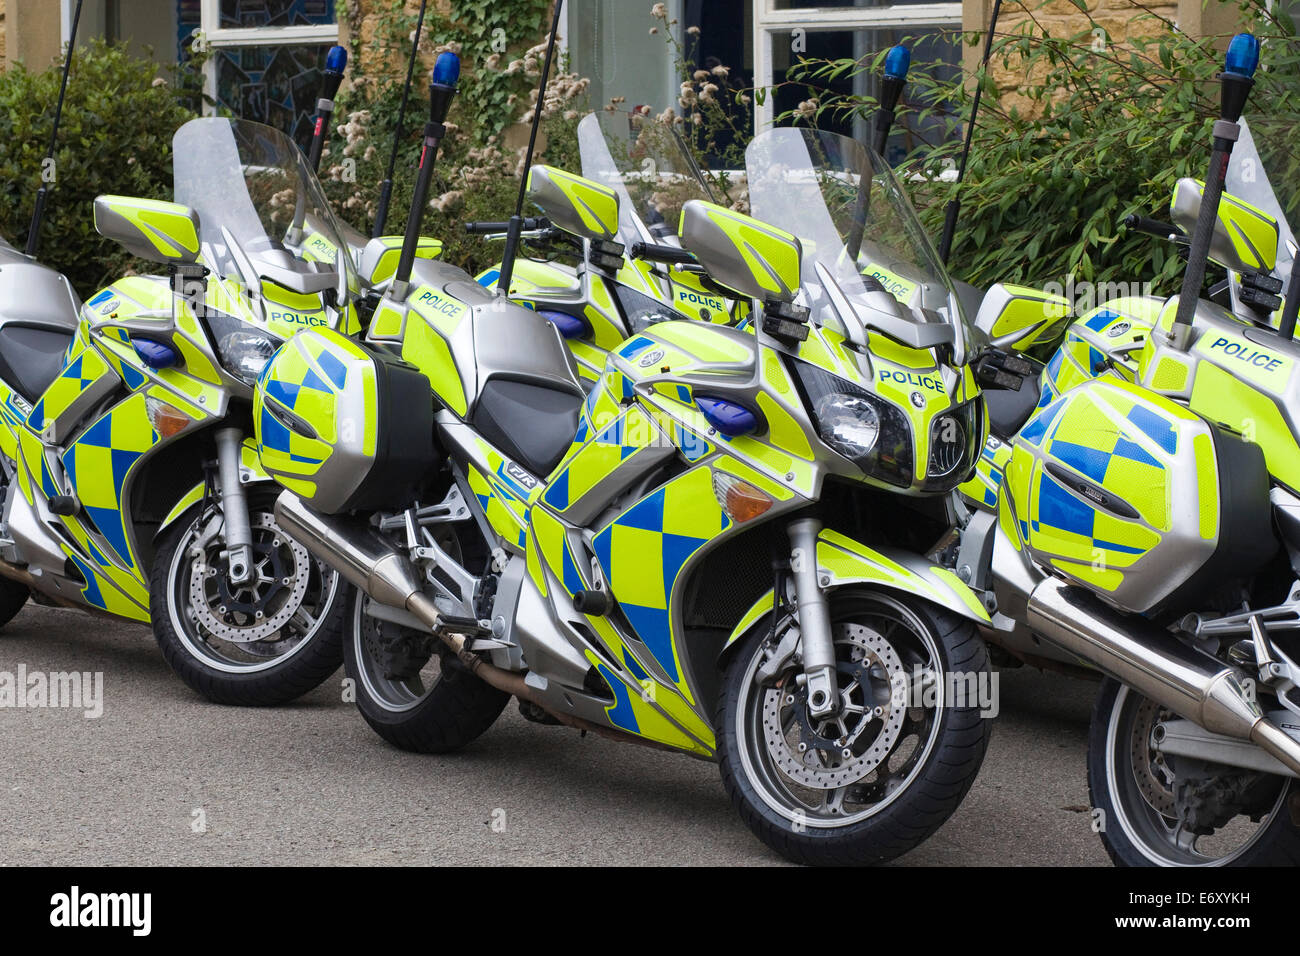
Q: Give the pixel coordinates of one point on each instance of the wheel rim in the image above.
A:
(838, 773)
(1139, 781)
(397, 666)
(250, 628)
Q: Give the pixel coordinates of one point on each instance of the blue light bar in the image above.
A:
(1243, 55)
(446, 70)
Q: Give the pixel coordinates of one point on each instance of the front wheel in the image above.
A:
(879, 778)
(1156, 810)
(264, 642)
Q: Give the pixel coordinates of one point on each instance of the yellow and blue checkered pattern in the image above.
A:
(644, 550)
(79, 374)
(1123, 448)
(305, 377)
(99, 462)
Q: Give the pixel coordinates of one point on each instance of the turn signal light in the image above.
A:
(739, 499)
(167, 420)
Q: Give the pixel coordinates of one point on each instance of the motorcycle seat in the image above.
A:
(532, 423)
(1008, 409)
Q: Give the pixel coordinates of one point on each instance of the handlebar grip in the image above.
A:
(1153, 227)
(661, 253)
(489, 228)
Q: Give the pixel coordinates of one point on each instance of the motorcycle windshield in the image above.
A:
(856, 225)
(648, 165)
(262, 213)
(1263, 171)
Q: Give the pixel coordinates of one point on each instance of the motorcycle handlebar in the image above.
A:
(660, 253)
(490, 228)
(1154, 227)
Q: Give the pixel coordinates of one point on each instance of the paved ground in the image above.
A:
(312, 784)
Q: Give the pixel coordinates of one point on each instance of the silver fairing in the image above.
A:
(496, 338)
(31, 293)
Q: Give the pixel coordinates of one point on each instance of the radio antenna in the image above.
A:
(953, 208)
(38, 213)
(386, 187)
(516, 226)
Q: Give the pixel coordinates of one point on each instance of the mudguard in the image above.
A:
(250, 469)
(843, 561)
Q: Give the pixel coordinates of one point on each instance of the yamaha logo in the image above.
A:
(918, 400)
(650, 358)
(1118, 329)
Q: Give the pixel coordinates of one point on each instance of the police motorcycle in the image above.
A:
(604, 261)
(717, 550)
(1148, 529)
(131, 480)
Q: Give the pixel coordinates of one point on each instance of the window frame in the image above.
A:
(216, 37)
(769, 22)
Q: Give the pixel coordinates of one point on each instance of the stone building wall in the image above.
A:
(1121, 19)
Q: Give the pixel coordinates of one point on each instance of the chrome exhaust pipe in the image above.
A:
(356, 551)
(1157, 665)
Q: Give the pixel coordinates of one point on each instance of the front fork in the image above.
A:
(814, 620)
(234, 505)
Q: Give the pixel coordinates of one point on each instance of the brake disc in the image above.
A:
(244, 614)
(1154, 777)
(867, 731)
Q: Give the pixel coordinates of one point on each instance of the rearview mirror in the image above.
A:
(578, 206)
(1245, 238)
(379, 258)
(164, 232)
(740, 252)
(1015, 316)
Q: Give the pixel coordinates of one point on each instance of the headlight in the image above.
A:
(245, 354)
(243, 350)
(864, 428)
(848, 423)
(948, 447)
(640, 321)
(954, 439)
(642, 311)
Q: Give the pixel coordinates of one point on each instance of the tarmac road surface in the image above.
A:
(164, 777)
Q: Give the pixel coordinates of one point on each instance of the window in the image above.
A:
(786, 30)
(609, 41)
(266, 56)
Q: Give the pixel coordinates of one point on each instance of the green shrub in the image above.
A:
(1108, 128)
(477, 177)
(115, 137)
